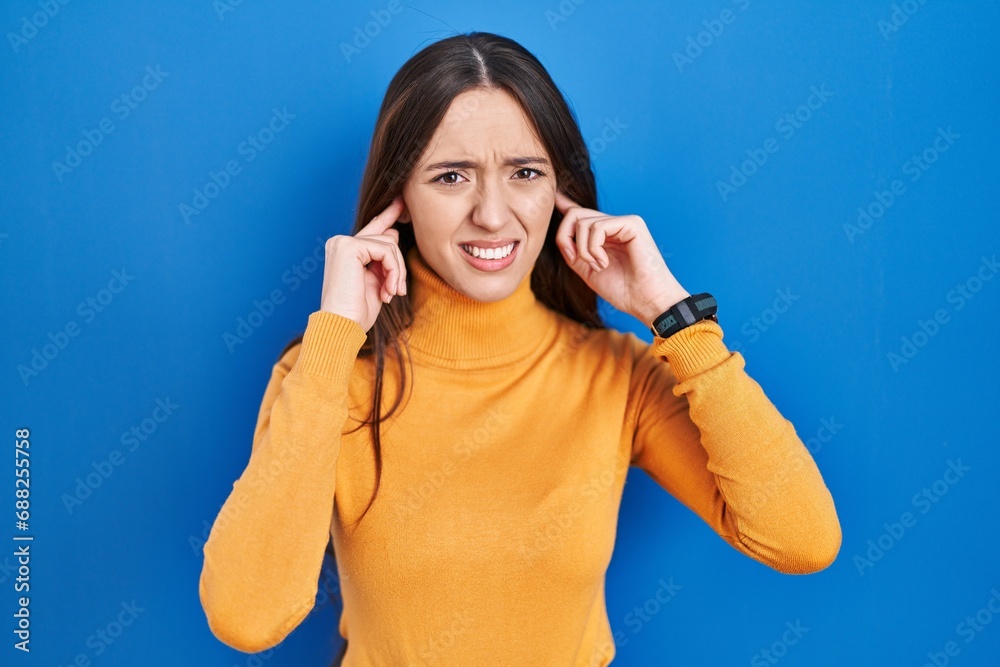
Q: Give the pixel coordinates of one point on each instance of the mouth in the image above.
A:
(490, 259)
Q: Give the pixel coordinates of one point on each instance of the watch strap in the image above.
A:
(684, 313)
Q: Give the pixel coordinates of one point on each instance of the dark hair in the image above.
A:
(414, 105)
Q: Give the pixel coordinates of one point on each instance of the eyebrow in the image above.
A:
(469, 164)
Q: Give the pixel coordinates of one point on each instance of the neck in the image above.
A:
(453, 330)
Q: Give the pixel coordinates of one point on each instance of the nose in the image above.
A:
(490, 209)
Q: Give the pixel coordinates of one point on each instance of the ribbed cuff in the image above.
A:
(330, 344)
(693, 349)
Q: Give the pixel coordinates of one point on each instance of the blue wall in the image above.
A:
(827, 170)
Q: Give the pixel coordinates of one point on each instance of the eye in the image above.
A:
(444, 175)
(441, 180)
(540, 174)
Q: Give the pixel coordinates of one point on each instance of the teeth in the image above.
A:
(489, 253)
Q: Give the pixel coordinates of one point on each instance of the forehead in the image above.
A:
(486, 125)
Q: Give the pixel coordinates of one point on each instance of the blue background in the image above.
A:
(682, 127)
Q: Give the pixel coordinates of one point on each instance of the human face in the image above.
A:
(483, 180)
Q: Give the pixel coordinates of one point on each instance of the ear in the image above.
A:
(404, 216)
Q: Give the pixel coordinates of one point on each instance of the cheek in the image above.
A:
(427, 213)
(535, 209)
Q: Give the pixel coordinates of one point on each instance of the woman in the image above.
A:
(474, 518)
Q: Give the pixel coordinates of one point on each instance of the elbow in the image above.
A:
(807, 549)
(827, 537)
(817, 551)
(822, 557)
(241, 626)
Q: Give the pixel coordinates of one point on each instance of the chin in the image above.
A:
(488, 288)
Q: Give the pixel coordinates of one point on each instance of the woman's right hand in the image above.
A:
(365, 270)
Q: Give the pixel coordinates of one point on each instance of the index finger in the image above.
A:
(384, 220)
(563, 202)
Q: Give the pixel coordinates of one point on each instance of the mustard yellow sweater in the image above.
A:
(495, 521)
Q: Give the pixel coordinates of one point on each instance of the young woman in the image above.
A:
(473, 516)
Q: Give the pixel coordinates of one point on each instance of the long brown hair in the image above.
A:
(415, 102)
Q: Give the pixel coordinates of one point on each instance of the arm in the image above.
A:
(265, 550)
(706, 432)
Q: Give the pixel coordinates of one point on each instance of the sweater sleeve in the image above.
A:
(263, 556)
(706, 432)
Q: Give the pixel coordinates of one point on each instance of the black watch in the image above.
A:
(684, 313)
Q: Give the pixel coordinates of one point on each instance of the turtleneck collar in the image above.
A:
(452, 330)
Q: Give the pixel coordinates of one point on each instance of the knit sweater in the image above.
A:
(495, 520)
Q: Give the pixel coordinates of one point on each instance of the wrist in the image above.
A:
(661, 305)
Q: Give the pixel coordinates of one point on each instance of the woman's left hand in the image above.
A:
(617, 257)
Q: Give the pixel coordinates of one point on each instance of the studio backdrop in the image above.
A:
(171, 171)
